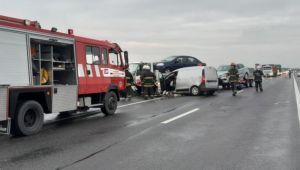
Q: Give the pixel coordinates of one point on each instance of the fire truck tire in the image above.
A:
(28, 119)
(110, 103)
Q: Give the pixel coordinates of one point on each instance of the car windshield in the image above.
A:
(169, 58)
(223, 68)
(267, 68)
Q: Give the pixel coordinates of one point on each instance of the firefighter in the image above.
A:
(129, 83)
(258, 74)
(148, 82)
(233, 78)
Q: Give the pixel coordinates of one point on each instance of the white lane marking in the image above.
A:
(282, 102)
(297, 93)
(180, 116)
(145, 101)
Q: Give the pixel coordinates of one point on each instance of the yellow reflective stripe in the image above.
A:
(148, 85)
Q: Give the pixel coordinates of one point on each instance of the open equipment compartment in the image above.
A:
(53, 63)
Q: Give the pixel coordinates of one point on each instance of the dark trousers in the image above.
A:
(128, 91)
(258, 84)
(233, 86)
(148, 91)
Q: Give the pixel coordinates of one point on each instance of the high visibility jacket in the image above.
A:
(129, 79)
(233, 75)
(148, 79)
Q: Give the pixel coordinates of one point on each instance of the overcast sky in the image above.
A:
(215, 31)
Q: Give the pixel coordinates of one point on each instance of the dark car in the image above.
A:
(175, 62)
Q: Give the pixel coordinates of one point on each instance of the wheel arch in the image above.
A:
(42, 96)
(114, 88)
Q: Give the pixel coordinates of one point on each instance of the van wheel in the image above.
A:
(110, 103)
(29, 118)
(195, 91)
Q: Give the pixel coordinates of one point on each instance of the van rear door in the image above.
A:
(211, 78)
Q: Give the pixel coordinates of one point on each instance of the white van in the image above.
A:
(196, 80)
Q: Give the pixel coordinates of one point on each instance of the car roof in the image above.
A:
(190, 68)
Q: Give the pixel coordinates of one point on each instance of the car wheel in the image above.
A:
(110, 103)
(29, 118)
(195, 91)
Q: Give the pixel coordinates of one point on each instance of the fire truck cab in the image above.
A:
(45, 71)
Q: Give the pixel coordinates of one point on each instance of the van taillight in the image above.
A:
(203, 78)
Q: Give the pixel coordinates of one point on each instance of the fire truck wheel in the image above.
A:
(110, 103)
(29, 118)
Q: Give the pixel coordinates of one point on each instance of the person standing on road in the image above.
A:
(148, 82)
(258, 74)
(129, 83)
(290, 73)
(233, 78)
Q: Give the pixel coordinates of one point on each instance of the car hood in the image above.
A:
(221, 72)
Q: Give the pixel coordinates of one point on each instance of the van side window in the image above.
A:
(104, 56)
(92, 55)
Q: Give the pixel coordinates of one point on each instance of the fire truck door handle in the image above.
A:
(55, 90)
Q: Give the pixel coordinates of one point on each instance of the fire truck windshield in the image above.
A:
(115, 58)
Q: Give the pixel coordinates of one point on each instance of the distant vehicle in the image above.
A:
(245, 75)
(298, 74)
(222, 72)
(272, 70)
(176, 62)
(279, 69)
(194, 80)
(268, 70)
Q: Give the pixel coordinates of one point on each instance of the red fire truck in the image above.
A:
(45, 71)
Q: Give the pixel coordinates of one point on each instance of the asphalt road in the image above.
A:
(221, 132)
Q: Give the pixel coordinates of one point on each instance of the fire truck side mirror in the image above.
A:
(126, 57)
